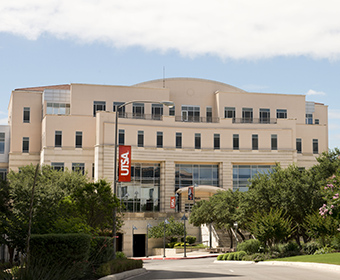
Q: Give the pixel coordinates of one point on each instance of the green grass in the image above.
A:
(331, 258)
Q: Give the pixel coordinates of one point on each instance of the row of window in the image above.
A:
(2, 142)
(79, 167)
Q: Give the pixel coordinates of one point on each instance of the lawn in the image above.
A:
(332, 258)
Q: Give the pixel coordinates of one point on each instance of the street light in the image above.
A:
(147, 239)
(166, 222)
(184, 218)
(166, 103)
(235, 226)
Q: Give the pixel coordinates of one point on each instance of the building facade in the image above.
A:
(215, 137)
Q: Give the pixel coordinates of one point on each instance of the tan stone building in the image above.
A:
(216, 137)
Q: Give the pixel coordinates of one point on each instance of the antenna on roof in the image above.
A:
(163, 76)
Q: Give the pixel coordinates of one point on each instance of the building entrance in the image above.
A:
(139, 245)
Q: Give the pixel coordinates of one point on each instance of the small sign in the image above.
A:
(173, 202)
(191, 193)
(124, 164)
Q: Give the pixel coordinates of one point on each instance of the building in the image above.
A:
(216, 137)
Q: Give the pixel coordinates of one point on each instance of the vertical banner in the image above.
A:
(190, 193)
(124, 174)
(173, 202)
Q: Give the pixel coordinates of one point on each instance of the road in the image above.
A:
(206, 269)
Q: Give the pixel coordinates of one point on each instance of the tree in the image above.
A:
(172, 229)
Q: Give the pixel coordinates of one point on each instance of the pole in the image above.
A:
(185, 243)
(210, 236)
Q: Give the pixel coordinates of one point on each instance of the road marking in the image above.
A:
(231, 270)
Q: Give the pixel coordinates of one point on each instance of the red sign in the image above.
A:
(190, 193)
(173, 202)
(124, 174)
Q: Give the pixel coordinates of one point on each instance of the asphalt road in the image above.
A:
(207, 269)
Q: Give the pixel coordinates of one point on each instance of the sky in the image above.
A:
(270, 46)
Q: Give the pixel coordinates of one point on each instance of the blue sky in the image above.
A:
(288, 46)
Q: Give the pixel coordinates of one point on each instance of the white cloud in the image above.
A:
(4, 121)
(313, 92)
(333, 114)
(241, 29)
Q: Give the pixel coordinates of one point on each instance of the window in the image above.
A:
(264, 115)
(2, 142)
(98, 106)
(190, 113)
(3, 174)
(247, 115)
(26, 114)
(25, 144)
(93, 171)
(255, 142)
(59, 166)
(299, 145)
(315, 146)
(317, 121)
(157, 111)
(172, 111)
(274, 141)
(58, 108)
(140, 139)
(309, 118)
(138, 110)
(209, 114)
(229, 112)
(58, 138)
(216, 141)
(121, 113)
(121, 137)
(79, 139)
(197, 140)
(236, 141)
(79, 167)
(281, 113)
(159, 139)
(178, 140)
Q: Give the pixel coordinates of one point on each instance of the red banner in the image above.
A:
(124, 174)
(173, 202)
(190, 193)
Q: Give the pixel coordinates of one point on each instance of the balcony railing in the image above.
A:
(197, 119)
(255, 120)
(140, 116)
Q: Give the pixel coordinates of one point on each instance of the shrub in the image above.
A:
(310, 248)
(250, 246)
(117, 266)
(335, 242)
(324, 250)
(220, 257)
(101, 250)
(231, 256)
(239, 255)
(289, 249)
(120, 255)
(171, 244)
(225, 256)
(190, 239)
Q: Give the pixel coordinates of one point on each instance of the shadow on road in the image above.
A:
(166, 274)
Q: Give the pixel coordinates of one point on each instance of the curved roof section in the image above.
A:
(170, 82)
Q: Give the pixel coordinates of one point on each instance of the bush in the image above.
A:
(117, 266)
(335, 242)
(324, 250)
(250, 246)
(231, 256)
(310, 248)
(101, 250)
(220, 257)
(190, 239)
(289, 249)
(225, 256)
(257, 257)
(239, 255)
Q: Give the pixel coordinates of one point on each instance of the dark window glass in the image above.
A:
(190, 113)
(159, 139)
(255, 142)
(317, 121)
(309, 118)
(264, 115)
(216, 141)
(157, 111)
(2, 142)
(229, 112)
(172, 111)
(3, 174)
(209, 114)
(178, 140)
(315, 146)
(299, 145)
(27, 113)
(197, 141)
(59, 166)
(79, 167)
(247, 115)
(121, 137)
(236, 142)
(79, 139)
(140, 138)
(138, 110)
(25, 144)
(274, 141)
(281, 113)
(58, 138)
(121, 109)
(98, 106)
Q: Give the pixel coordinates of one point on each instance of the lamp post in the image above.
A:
(235, 226)
(184, 218)
(133, 232)
(166, 222)
(166, 103)
(147, 239)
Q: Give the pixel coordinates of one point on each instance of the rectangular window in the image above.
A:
(264, 115)
(317, 121)
(98, 106)
(26, 114)
(247, 115)
(229, 112)
(309, 118)
(159, 139)
(121, 137)
(299, 145)
(274, 141)
(138, 110)
(255, 141)
(157, 111)
(190, 113)
(58, 138)
(121, 113)
(315, 146)
(25, 144)
(79, 167)
(3, 174)
(79, 139)
(236, 141)
(58, 109)
(216, 141)
(140, 138)
(197, 140)
(209, 114)
(281, 113)
(59, 166)
(178, 140)
(93, 171)
(172, 111)
(2, 142)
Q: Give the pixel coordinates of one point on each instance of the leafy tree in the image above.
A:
(172, 229)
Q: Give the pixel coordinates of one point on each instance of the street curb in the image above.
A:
(124, 274)
(176, 258)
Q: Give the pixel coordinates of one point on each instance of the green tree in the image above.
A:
(172, 229)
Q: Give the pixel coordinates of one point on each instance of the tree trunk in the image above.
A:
(241, 234)
(231, 238)
(11, 254)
